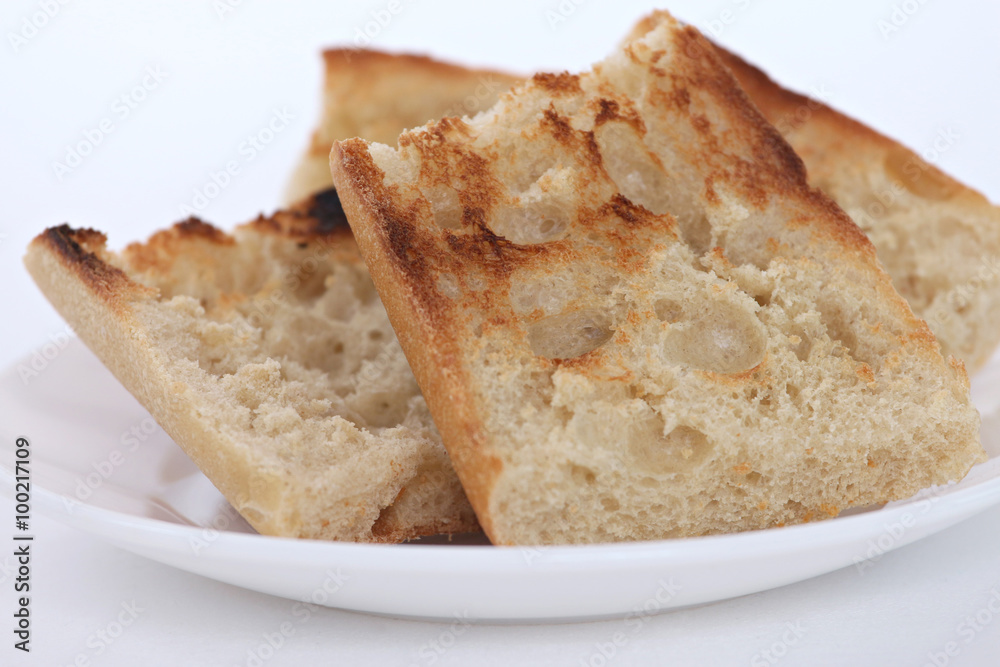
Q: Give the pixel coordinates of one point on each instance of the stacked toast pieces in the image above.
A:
(628, 314)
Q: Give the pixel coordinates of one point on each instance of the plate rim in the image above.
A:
(749, 544)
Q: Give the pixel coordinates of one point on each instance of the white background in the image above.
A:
(226, 73)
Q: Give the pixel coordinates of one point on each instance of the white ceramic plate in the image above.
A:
(101, 464)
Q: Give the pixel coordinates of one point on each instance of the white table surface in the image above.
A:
(224, 75)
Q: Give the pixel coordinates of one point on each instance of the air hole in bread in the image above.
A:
(610, 504)
(582, 475)
(681, 450)
(903, 166)
(569, 335)
(309, 279)
(548, 293)
(841, 328)
(796, 508)
(722, 338)
(801, 346)
(445, 206)
(532, 223)
(381, 409)
(528, 173)
(448, 286)
(635, 171)
(668, 310)
(696, 231)
(763, 299)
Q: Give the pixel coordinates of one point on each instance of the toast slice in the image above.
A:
(937, 238)
(267, 356)
(377, 95)
(632, 318)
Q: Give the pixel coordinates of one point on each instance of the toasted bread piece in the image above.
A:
(632, 318)
(267, 356)
(376, 95)
(937, 238)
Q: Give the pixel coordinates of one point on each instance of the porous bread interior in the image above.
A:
(655, 348)
(937, 238)
(290, 354)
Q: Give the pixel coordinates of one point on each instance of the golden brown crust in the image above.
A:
(404, 285)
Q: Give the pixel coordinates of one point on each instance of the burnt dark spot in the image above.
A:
(630, 213)
(328, 212)
(62, 239)
(404, 241)
(558, 125)
(66, 242)
(592, 151)
(607, 111)
(197, 228)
